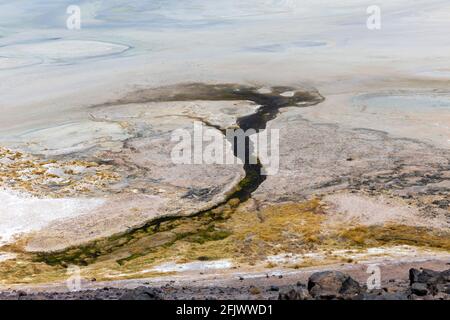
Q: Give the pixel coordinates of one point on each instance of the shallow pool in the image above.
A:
(414, 102)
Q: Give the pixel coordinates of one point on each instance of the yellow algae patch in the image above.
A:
(53, 178)
(247, 236)
(395, 234)
(288, 222)
(295, 235)
(294, 228)
(21, 270)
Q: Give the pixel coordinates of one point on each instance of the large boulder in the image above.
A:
(428, 276)
(332, 284)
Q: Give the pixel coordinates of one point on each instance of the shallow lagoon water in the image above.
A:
(58, 49)
(410, 102)
(280, 47)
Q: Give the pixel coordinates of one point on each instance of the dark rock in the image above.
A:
(413, 275)
(21, 293)
(332, 284)
(419, 289)
(141, 293)
(385, 296)
(39, 297)
(445, 275)
(350, 286)
(435, 282)
(440, 283)
(393, 296)
(274, 288)
(443, 288)
(294, 293)
(376, 292)
(427, 275)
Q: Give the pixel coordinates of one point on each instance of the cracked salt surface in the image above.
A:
(21, 213)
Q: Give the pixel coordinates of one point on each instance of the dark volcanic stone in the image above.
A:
(427, 275)
(350, 286)
(294, 293)
(413, 275)
(274, 288)
(444, 277)
(141, 293)
(385, 296)
(332, 284)
(433, 281)
(443, 288)
(419, 289)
